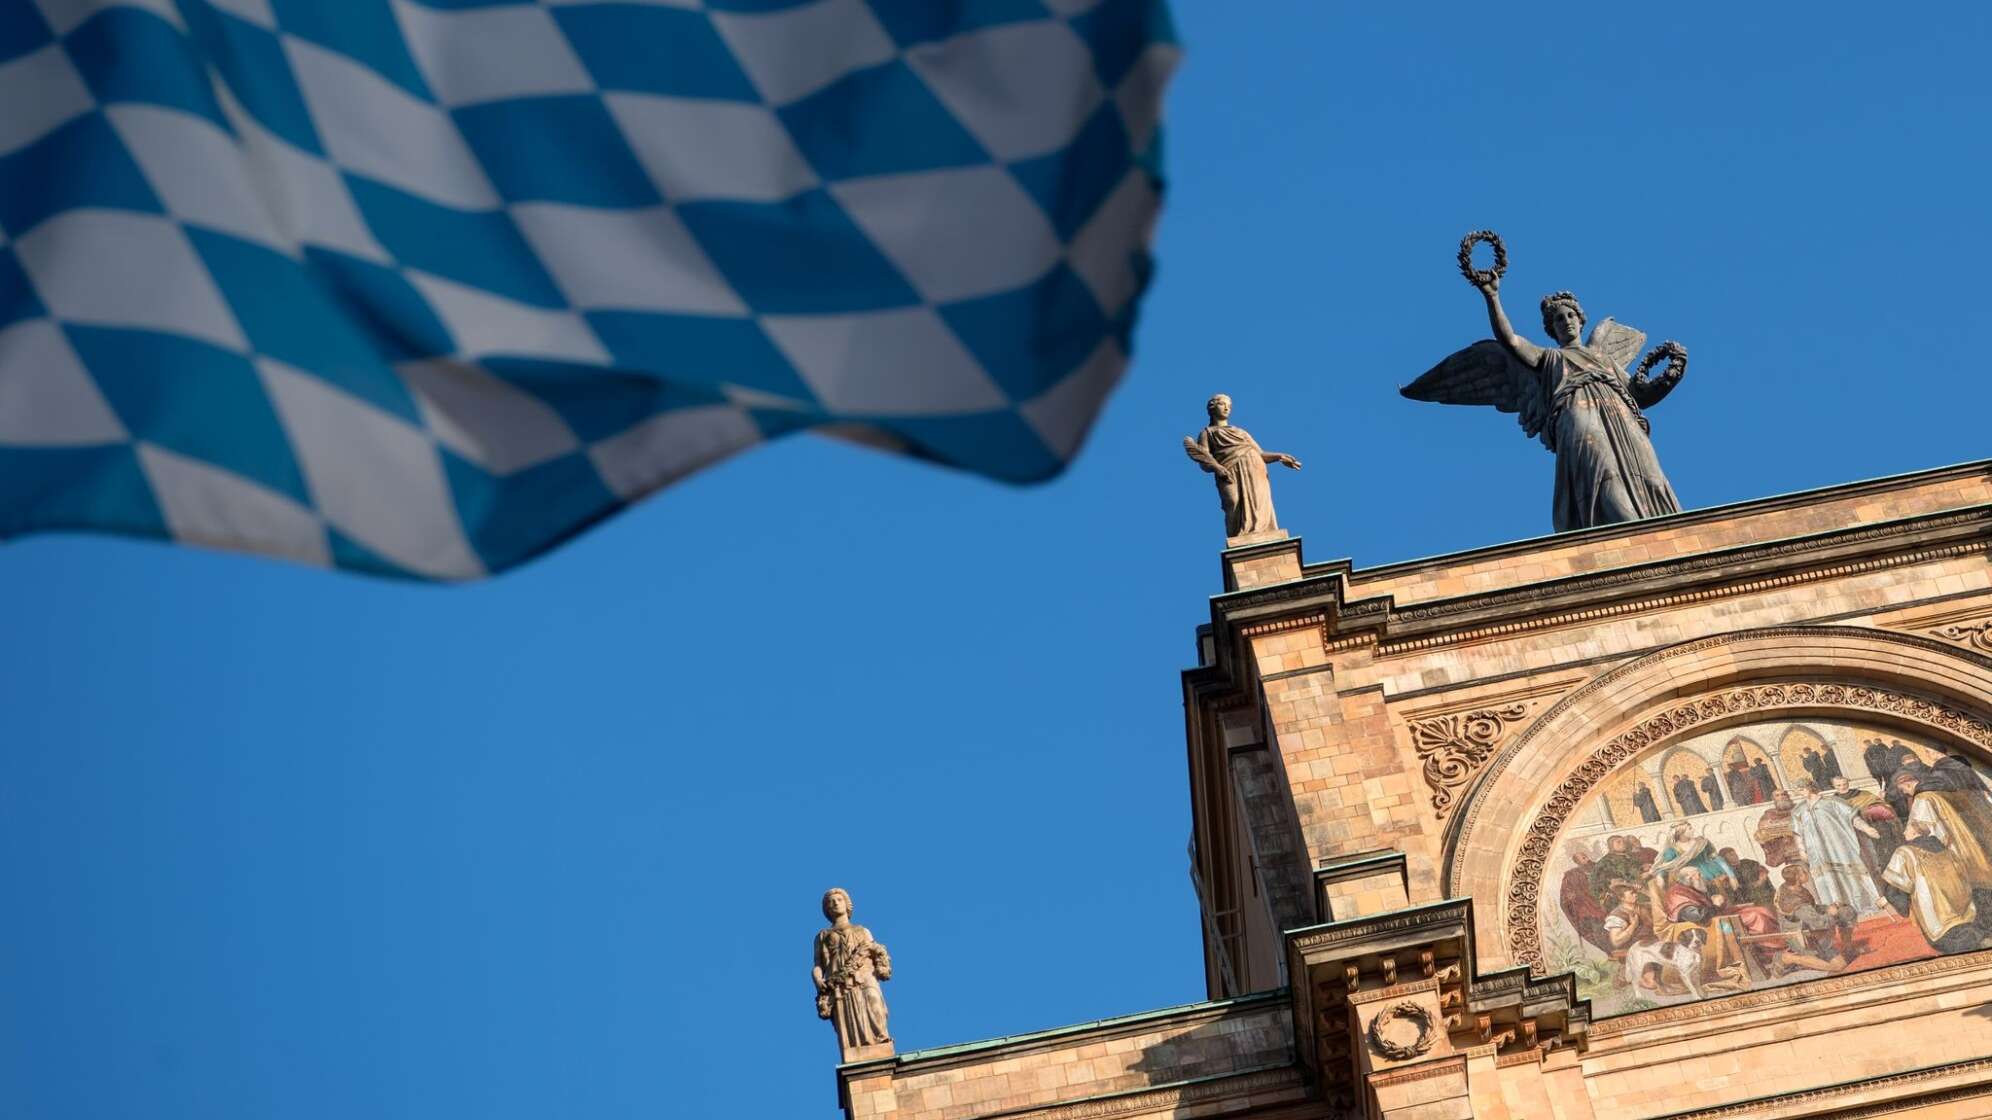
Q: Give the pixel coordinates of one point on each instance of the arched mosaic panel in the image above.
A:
(1765, 854)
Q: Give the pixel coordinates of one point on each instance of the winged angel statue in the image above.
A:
(1576, 397)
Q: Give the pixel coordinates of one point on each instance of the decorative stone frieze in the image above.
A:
(1402, 1031)
(1977, 635)
(1396, 992)
(1454, 747)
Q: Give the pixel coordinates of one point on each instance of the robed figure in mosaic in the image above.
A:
(849, 966)
(1575, 396)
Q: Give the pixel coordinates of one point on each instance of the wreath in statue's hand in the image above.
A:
(1481, 277)
(1677, 360)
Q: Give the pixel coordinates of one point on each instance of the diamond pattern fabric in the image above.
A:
(423, 287)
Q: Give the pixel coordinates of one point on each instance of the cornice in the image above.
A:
(1452, 1065)
(1809, 1101)
(1396, 991)
(1710, 1012)
(1321, 598)
(1724, 589)
(1448, 917)
(1721, 560)
(1166, 1098)
(1730, 571)
(1688, 519)
(916, 1062)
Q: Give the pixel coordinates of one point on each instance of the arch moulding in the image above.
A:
(1499, 842)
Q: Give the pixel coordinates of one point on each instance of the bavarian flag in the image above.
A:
(423, 287)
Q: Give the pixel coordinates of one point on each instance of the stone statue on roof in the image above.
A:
(1243, 488)
(1575, 396)
(849, 966)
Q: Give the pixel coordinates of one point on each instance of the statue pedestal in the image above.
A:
(1243, 539)
(1257, 559)
(865, 1053)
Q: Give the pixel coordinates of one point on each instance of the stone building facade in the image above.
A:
(1687, 817)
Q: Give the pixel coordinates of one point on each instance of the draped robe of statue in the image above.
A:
(1606, 471)
(849, 965)
(1242, 485)
(1832, 849)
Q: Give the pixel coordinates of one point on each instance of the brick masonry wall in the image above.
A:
(1078, 1065)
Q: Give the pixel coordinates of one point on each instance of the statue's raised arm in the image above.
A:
(1488, 281)
(1575, 396)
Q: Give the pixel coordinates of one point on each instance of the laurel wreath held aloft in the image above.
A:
(1480, 276)
(1677, 360)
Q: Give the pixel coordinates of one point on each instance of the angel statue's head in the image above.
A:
(1562, 317)
(1219, 408)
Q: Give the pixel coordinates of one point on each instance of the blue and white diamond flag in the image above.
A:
(423, 287)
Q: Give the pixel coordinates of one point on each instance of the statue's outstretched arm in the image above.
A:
(1525, 351)
(1281, 458)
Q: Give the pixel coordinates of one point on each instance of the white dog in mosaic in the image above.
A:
(1680, 958)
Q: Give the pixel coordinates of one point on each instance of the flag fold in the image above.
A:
(424, 287)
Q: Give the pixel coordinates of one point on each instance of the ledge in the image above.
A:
(1790, 500)
(1332, 596)
(1187, 1011)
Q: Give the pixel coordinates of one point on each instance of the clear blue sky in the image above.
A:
(282, 844)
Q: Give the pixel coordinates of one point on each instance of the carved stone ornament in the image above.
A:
(1526, 873)
(1455, 747)
(1977, 635)
(1402, 1031)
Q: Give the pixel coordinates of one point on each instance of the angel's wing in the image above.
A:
(1618, 342)
(1485, 373)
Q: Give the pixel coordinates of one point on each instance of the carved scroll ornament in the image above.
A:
(1455, 747)
(1977, 635)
